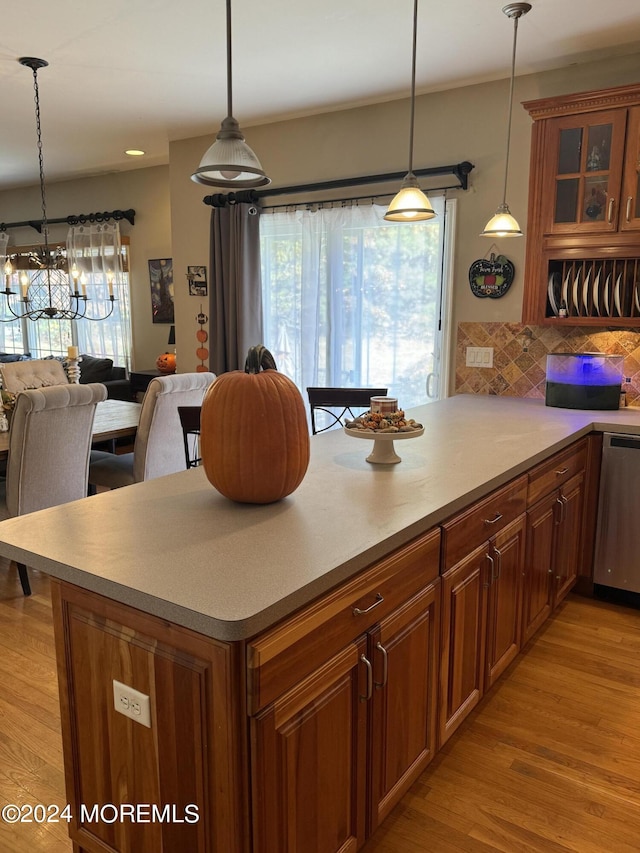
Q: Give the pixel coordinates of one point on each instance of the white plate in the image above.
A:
(596, 294)
(576, 283)
(605, 294)
(585, 292)
(551, 294)
(565, 290)
(637, 296)
(616, 295)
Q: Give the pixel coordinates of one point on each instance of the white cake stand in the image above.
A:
(383, 451)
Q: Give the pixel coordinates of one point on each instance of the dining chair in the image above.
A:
(337, 403)
(159, 445)
(34, 373)
(49, 445)
(190, 422)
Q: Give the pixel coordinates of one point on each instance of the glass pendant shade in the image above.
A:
(410, 204)
(229, 162)
(502, 224)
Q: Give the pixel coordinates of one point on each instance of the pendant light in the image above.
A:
(411, 204)
(47, 292)
(229, 162)
(503, 224)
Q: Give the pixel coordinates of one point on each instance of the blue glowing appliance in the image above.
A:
(584, 380)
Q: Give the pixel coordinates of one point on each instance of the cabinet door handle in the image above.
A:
(358, 612)
(561, 471)
(629, 200)
(493, 520)
(561, 519)
(367, 663)
(499, 553)
(385, 666)
(493, 565)
(612, 201)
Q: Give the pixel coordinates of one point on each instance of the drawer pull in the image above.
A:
(561, 472)
(367, 663)
(358, 612)
(385, 666)
(493, 520)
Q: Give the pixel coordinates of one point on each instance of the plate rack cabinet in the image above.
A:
(583, 231)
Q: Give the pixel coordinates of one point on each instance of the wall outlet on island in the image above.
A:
(131, 703)
(479, 357)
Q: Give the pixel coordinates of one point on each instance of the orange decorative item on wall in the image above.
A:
(166, 363)
(202, 336)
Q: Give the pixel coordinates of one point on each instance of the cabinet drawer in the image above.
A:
(469, 529)
(281, 657)
(547, 476)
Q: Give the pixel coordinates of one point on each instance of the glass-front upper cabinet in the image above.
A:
(585, 158)
(630, 204)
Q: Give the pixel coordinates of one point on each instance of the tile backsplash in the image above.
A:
(520, 356)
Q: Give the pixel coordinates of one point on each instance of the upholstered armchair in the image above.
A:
(49, 445)
(159, 443)
(35, 373)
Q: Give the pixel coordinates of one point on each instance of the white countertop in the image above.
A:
(178, 549)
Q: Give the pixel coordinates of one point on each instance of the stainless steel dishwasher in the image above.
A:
(617, 557)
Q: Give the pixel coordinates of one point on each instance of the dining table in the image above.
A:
(113, 419)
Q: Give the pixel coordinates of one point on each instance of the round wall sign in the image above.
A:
(491, 277)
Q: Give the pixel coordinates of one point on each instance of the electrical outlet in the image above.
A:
(131, 703)
(479, 357)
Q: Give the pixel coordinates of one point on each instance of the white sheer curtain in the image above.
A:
(4, 239)
(97, 253)
(352, 300)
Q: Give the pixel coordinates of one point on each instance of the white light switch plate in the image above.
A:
(131, 703)
(479, 357)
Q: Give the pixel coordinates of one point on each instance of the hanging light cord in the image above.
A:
(516, 17)
(413, 84)
(229, 87)
(45, 225)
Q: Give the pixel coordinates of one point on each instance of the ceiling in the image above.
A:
(140, 73)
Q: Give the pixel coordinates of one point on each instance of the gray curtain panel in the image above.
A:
(236, 294)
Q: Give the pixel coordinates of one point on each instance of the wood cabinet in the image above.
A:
(192, 755)
(584, 209)
(555, 521)
(481, 600)
(334, 752)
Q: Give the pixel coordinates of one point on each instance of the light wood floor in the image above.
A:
(550, 762)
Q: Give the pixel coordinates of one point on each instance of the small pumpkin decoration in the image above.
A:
(166, 363)
(254, 437)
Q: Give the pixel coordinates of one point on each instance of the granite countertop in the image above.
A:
(176, 548)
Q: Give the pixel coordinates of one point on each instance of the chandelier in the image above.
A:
(48, 290)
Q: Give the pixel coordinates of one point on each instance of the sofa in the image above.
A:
(92, 369)
(102, 370)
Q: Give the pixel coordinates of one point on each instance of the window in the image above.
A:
(110, 338)
(352, 300)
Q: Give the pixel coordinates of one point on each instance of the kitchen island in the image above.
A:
(170, 588)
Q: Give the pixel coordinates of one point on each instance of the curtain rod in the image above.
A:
(74, 219)
(459, 170)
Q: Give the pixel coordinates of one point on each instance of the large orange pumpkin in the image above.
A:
(254, 437)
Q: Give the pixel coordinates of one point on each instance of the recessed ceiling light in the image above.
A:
(134, 152)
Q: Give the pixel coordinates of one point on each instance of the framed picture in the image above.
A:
(197, 281)
(161, 281)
